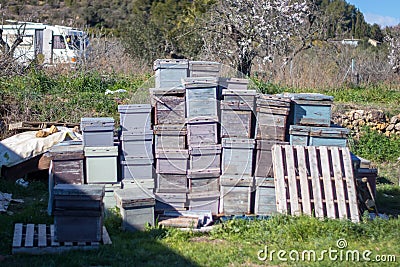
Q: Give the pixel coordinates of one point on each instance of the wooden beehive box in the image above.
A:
(237, 156)
(203, 180)
(265, 200)
(101, 164)
(170, 136)
(137, 144)
(171, 183)
(201, 98)
(202, 132)
(97, 131)
(170, 72)
(204, 201)
(137, 168)
(172, 161)
(318, 136)
(171, 201)
(263, 162)
(205, 158)
(135, 118)
(236, 194)
(204, 69)
(310, 109)
(169, 105)
(271, 119)
(67, 164)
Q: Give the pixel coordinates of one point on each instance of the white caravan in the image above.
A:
(48, 44)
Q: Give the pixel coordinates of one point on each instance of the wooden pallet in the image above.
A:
(315, 181)
(39, 239)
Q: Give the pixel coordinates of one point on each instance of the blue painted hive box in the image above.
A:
(169, 72)
(318, 136)
(310, 109)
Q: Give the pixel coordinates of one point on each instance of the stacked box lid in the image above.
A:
(169, 72)
(78, 212)
(272, 112)
(135, 118)
(98, 131)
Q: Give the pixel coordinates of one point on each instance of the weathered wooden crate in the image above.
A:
(265, 200)
(271, 118)
(239, 99)
(204, 184)
(101, 164)
(97, 131)
(236, 123)
(263, 162)
(318, 136)
(171, 201)
(169, 136)
(67, 164)
(202, 132)
(40, 239)
(205, 157)
(204, 201)
(137, 144)
(135, 118)
(234, 83)
(201, 98)
(170, 72)
(237, 156)
(143, 184)
(169, 105)
(172, 161)
(136, 207)
(78, 197)
(310, 109)
(315, 180)
(137, 168)
(171, 183)
(236, 195)
(204, 69)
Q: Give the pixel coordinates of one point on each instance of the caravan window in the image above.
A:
(58, 42)
(73, 42)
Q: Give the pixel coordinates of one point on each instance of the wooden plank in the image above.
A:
(42, 238)
(337, 174)
(351, 188)
(17, 239)
(106, 237)
(53, 243)
(315, 181)
(279, 179)
(325, 166)
(305, 193)
(30, 231)
(292, 182)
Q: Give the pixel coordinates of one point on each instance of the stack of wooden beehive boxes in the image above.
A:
(237, 131)
(203, 142)
(136, 137)
(171, 153)
(272, 112)
(101, 155)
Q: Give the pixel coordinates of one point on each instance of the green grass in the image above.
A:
(232, 243)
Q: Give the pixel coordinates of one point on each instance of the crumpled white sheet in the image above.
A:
(26, 145)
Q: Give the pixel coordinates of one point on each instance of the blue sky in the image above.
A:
(382, 12)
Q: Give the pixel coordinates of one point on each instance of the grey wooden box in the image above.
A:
(202, 132)
(101, 164)
(171, 183)
(97, 131)
(67, 164)
(78, 197)
(205, 157)
(236, 123)
(170, 136)
(310, 109)
(169, 105)
(172, 161)
(235, 200)
(204, 69)
(109, 199)
(265, 200)
(137, 168)
(239, 99)
(206, 184)
(171, 201)
(318, 136)
(170, 72)
(263, 166)
(204, 201)
(137, 144)
(201, 98)
(137, 183)
(237, 156)
(237, 84)
(135, 118)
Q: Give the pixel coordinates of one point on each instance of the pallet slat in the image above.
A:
(42, 238)
(17, 239)
(315, 179)
(30, 231)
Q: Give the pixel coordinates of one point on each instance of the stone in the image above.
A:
(395, 119)
(390, 127)
(397, 127)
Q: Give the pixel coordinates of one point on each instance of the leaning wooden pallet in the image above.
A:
(315, 180)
